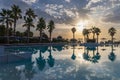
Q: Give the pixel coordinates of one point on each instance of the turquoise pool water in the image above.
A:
(60, 62)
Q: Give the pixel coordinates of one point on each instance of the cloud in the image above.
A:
(29, 1)
(113, 16)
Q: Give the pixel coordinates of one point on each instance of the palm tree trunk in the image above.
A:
(93, 36)
(50, 36)
(87, 38)
(40, 36)
(112, 48)
(14, 34)
(84, 39)
(28, 34)
(7, 31)
(97, 38)
(73, 35)
(112, 39)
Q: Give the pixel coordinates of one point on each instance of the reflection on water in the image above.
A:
(92, 58)
(73, 55)
(112, 55)
(60, 62)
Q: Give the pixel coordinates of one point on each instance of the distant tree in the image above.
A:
(26, 33)
(93, 32)
(16, 14)
(5, 17)
(85, 33)
(29, 16)
(97, 31)
(73, 31)
(112, 32)
(51, 27)
(41, 25)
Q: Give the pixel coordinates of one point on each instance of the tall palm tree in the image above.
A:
(97, 31)
(41, 26)
(6, 18)
(51, 27)
(73, 31)
(112, 32)
(29, 16)
(93, 32)
(85, 33)
(16, 14)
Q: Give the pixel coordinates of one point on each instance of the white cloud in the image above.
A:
(67, 0)
(29, 1)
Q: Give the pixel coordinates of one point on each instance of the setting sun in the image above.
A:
(81, 25)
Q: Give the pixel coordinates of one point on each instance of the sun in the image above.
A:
(81, 25)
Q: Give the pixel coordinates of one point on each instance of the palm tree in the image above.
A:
(6, 18)
(112, 32)
(85, 33)
(16, 14)
(29, 16)
(51, 27)
(41, 26)
(97, 31)
(73, 31)
(93, 31)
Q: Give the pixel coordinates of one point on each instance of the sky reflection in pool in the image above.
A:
(60, 62)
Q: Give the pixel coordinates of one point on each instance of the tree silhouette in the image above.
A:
(73, 31)
(112, 32)
(85, 33)
(93, 32)
(97, 31)
(51, 27)
(6, 18)
(16, 14)
(41, 26)
(29, 16)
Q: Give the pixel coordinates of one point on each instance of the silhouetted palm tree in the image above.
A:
(85, 33)
(97, 31)
(16, 14)
(112, 32)
(73, 31)
(41, 26)
(29, 16)
(93, 32)
(51, 27)
(6, 18)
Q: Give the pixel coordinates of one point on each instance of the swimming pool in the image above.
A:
(60, 62)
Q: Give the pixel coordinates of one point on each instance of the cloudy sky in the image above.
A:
(72, 13)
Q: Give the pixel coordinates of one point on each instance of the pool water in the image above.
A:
(60, 62)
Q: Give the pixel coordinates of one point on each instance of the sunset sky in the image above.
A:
(72, 13)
